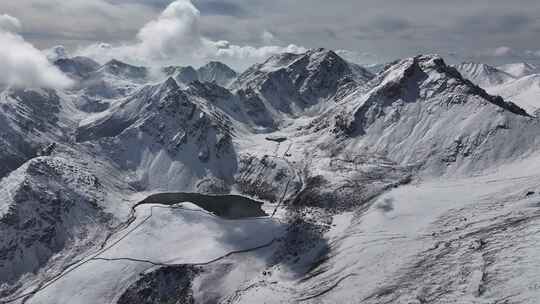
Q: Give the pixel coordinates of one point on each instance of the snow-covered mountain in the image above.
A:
(214, 71)
(517, 82)
(217, 72)
(519, 69)
(414, 101)
(378, 188)
(484, 75)
(49, 205)
(524, 91)
(31, 123)
(174, 130)
(77, 67)
(290, 85)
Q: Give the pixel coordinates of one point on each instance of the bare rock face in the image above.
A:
(218, 73)
(213, 72)
(49, 205)
(29, 121)
(165, 285)
(290, 84)
(77, 67)
(170, 125)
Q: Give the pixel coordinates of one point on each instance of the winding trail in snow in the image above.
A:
(132, 217)
(95, 257)
(190, 264)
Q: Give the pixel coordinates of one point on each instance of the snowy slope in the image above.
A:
(524, 91)
(422, 112)
(180, 138)
(114, 79)
(112, 271)
(440, 241)
(484, 75)
(49, 205)
(289, 85)
(519, 69)
(217, 72)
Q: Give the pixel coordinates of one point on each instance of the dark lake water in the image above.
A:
(226, 206)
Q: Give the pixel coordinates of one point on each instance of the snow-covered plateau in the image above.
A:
(304, 179)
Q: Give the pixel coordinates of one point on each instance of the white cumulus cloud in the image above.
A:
(175, 32)
(358, 57)
(503, 51)
(56, 52)
(532, 53)
(175, 38)
(21, 63)
(9, 23)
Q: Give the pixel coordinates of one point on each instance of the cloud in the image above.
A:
(21, 63)
(386, 28)
(174, 34)
(357, 57)
(503, 51)
(9, 23)
(174, 37)
(531, 53)
(221, 8)
(254, 53)
(506, 52)
(390, 24)
(495, 23)
(175, 31)
(56, 52)
(503, 54)
(77, 22)
(496, 53)
(268, 37)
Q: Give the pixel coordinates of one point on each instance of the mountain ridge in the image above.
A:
(483, 75)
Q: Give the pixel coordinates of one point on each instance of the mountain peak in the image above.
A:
(56, 52)
(116, 63)
(170, 84)
(119, 68)
(321, 56)
(77, 67)
(313, 56)
(401, 69)
(424, 76)
(520, 69)
(217, 72)
(293, 84)
(219, 64)
(482, 74)
(322, 52)
(213, 71)
(184, 75)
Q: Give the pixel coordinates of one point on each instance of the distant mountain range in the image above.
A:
(515, 82)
